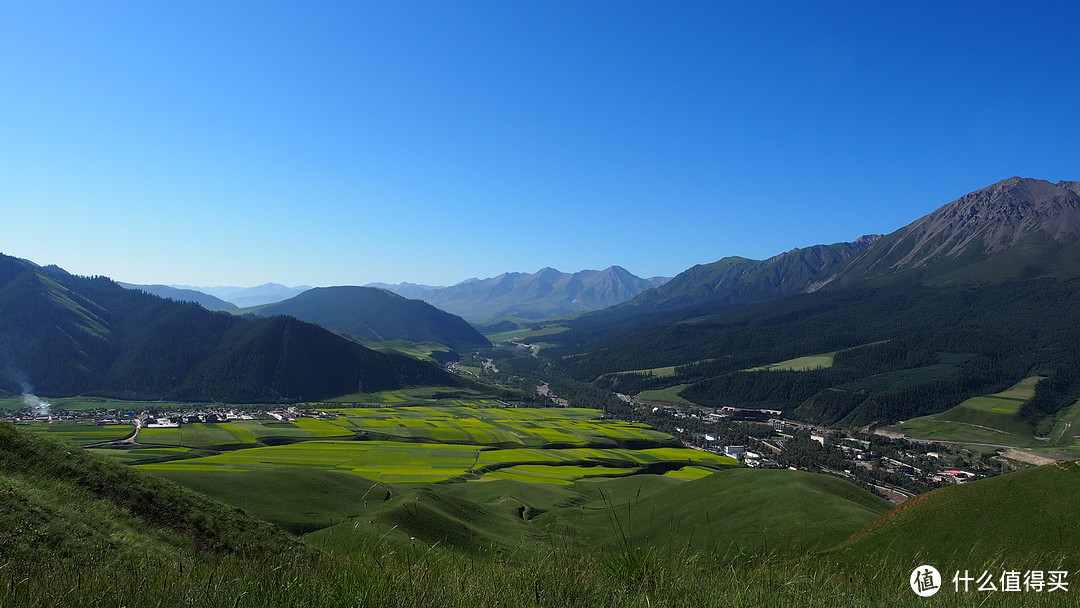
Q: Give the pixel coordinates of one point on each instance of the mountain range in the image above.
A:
(245, 297)
(964, 301)
(67, 335)
(542, 294)
(377, 314)
(180, 294)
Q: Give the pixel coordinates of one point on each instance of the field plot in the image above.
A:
(558, 475)
(401, 462)
(380, 460)
(138, 455)
(80, 433)
(503, 427)
(495, 459)
(238, 433)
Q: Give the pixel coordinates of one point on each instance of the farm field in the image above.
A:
(401, 462)
(504, 427)
(469, 473)
(80, 433)
(239, 433)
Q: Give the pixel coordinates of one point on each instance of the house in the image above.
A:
(735, 451)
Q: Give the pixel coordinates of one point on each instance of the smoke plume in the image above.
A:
(41, 408)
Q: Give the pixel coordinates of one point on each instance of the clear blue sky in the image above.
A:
(330, 143)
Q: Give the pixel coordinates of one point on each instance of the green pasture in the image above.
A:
(661, 372)
(418, 350)
(560, 475)
(982, 419)
(518, 335)
(80, 433)
(689, 473)
(135, 455)
(1066, 431)
(664, 395)
(799, 364)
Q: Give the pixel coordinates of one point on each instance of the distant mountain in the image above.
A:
(377, 314)
(68, 335)
(205, 300)
(546, 293)
(245, 297)
(965, 301)
(1018, 227)
(412, 291)
(736, 280)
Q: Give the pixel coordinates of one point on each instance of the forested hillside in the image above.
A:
(62, 335)
(377, 314)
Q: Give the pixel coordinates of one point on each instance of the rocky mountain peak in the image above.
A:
(999, 215)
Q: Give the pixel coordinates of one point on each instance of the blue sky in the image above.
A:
(331, 143)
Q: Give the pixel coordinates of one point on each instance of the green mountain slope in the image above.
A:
(737, 280)
(1023, 520)
(60, 502)
(377, 314)
(64, 334)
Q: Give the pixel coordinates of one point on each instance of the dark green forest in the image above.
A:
(901, 351)
(63, 335)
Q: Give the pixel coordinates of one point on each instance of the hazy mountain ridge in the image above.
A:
(205, 300)
(413, 291)
(377, 314)
(68, 335)
(545, 293)
(245, 297)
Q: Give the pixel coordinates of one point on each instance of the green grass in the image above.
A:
(1066, 430)
(80, 433)
(1015, 519)
(418, 350)
(517, 335)
(79, 530)
(800, 364)
(664, 395)
(241, 433)
(566, 475)
(983, 419)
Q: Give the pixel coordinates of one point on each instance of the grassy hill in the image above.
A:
(984, 419)
(61, 501)
(1020, 520)
(77, 529)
